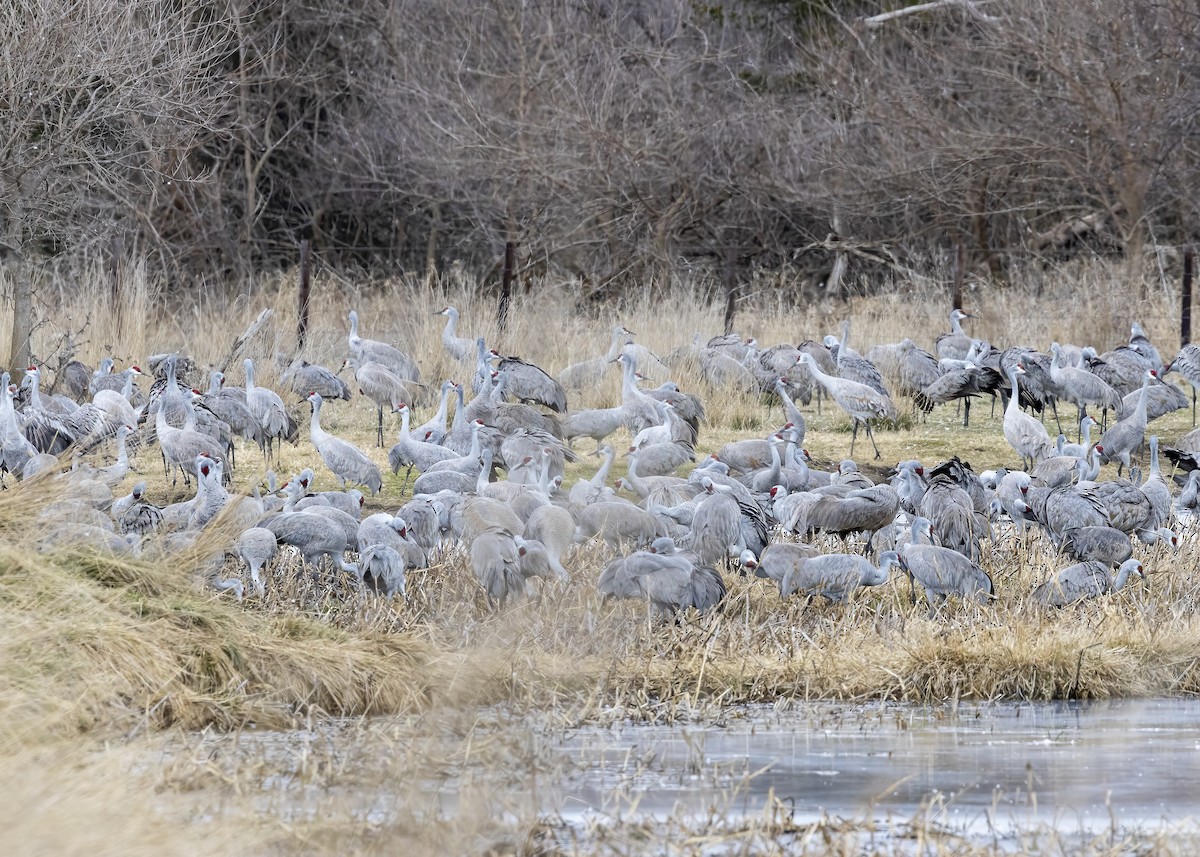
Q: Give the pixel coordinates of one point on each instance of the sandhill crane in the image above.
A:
(535, 560)
(136, 514)
(1122, 368)
(942, 572)
(916, 368)
(861, 510)
(958, 384)
(587, 373)
(269, 412)
(1187, 364)
(617, 522)
(1189, 498)
(374, 351)
(381, 385)
(1126, 435)
(955, 344)
(596, 423)
(256, 547)
(496, 564)
(1026, 435)
(663, 459)
(303, 378)
(383, 570)
(230, 405)
(554, 527)
(862, 403)
(716, 530)
(182, 446)
(778, 560)
(852, 366)
(1107, 545)
(1079, 386)
(836, 575)
(1085, 580)
(1081, 449)
(412, 452)
(434, 431)
(1140, 342)
(458, 347)
(313, 535)
(952, 513)
(1161, 399)
(348, 462)
(76, 378)
(529, 383)
(671, 582)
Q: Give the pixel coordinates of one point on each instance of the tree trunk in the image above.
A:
(22, 325)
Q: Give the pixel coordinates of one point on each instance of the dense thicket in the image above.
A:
(609, 139)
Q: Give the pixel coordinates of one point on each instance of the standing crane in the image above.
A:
(861, 402)
(458, 347)
(347, 461)
(269, 412)
(372, 350)
(1026, 435)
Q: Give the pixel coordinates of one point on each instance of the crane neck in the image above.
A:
(443, 408)
(614, 347)
(602, 471)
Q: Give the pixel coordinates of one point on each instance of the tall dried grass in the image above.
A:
(111, 648)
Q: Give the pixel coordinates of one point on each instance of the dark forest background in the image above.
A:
(610, 141)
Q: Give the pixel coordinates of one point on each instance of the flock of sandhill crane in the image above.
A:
(753, 505)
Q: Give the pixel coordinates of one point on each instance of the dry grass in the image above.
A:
(116, 649)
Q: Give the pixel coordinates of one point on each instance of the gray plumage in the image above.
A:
(1026, 435)
(958, 384)
(256, 547)
(588, 373)
(303, 378)
(412, 452)
(942, 572)
(314, 535)
(496, 564)
(531, 384)
(863, 404)
(372, 350)
(382, 386)
(779, 559)
(617, 523)
(716, 530)
(347, 462)
(458, 347)
(383, 570)
(1085, 580)
(268, 410)
(671, 582)
(836, 575)
(956, 344)
(1097, 544)
(862, 510)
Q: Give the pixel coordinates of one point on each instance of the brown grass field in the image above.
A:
(132, 678)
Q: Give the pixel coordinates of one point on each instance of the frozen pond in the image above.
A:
(981, 768)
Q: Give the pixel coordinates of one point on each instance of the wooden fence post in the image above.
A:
(960, 272)
(506, 281)
(1185, 296)
(302, 313)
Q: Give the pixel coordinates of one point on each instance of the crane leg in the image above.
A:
(871, 435)
(966, 413)
(853, 437)
(380, 432)
(1193, 407)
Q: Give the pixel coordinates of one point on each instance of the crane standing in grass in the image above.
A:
(861, 402)
(347, 461)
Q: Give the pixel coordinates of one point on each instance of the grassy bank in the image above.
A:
(95, 649)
